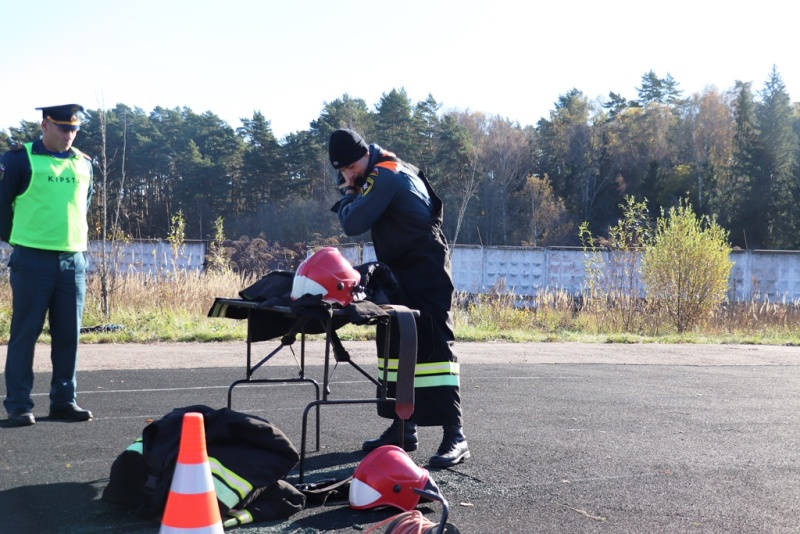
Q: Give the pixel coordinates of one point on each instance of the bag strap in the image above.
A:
(407, 360)
(328, 489)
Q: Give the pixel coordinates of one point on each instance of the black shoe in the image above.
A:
(21, 417)
(453, 450)
(70, 412)
(391, 436)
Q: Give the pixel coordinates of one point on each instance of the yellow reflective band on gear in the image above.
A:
(238, 517)
(231, 488)
(426, 375)
(424, 368)
(436, 381)
(225, 494)
(219, 310)
(437, 368)
(431, 381)
(136, 446)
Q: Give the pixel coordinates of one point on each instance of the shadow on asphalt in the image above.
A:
(65, 507)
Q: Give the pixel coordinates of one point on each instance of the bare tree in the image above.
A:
(710, 119)
(508, 160)
(459, 161)
(107, 268)
(549, 221)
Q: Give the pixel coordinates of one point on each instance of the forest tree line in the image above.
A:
(733, 155)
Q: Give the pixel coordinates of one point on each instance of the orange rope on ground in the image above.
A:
(412, 522)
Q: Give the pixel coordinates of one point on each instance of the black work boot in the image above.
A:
(21, 417)
(453, 450)
(70, 412)
(391, 436)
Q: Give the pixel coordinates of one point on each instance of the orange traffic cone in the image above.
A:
(192, 502)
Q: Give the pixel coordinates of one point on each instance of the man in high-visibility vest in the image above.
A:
(45, 190)
(396, 203)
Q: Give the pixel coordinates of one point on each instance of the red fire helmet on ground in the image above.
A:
(388, 476)
(328, 274)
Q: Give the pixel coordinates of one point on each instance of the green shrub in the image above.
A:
(685, 269)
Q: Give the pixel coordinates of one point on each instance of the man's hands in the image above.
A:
(348, 185)
(350, 189)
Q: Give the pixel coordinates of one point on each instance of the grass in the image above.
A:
(173, 307)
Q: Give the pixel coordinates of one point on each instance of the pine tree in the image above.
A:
(747, 191)
(780, 144)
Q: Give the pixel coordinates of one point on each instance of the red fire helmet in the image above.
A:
(388, 476)
(327, 273)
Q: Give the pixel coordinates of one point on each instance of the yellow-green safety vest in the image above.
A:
(52, 213)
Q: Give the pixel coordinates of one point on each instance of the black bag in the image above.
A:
(245, 444)
(380, 285)
(274, 289)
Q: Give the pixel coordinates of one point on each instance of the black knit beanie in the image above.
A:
(345, 148)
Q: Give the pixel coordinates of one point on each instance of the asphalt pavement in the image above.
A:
(556, 447)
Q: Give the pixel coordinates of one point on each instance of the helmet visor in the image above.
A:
(362, 495)
(303, 285)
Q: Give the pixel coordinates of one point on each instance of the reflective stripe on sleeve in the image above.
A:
(238, 517)
(136, 446)
(230, 487)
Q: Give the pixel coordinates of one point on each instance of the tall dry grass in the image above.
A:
(171, 306)
(174, 306)
(166, 292)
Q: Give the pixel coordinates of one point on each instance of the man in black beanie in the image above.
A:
(395, 201)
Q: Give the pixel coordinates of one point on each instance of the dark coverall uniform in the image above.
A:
(46, 277)
(404, 214)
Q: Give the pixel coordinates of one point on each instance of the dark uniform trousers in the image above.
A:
(426, 285)
(42, 282)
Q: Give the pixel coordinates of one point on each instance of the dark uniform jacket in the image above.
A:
(404, 215)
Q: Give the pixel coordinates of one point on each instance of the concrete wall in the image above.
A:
(756, 274)
(151, 257)
(766, 275)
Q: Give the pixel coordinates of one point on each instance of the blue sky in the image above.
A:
(288, 58)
